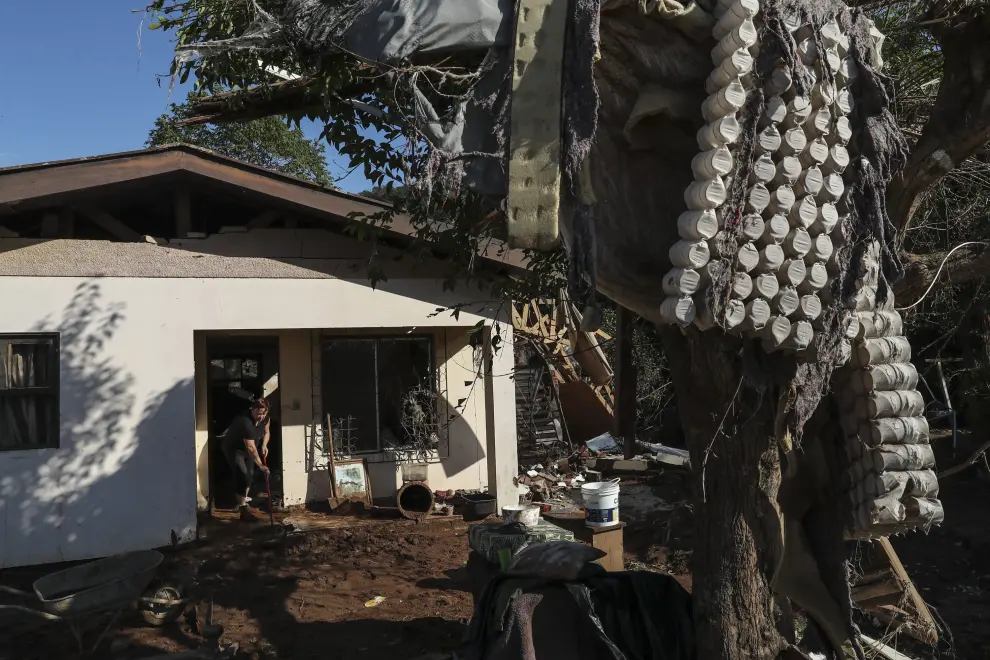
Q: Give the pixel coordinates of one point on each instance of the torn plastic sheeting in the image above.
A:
(396, 29)
(606, 442)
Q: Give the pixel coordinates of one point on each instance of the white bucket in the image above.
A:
(763, 170)
(697, 225)
(601, 503)
(844, 101)
(810, 182)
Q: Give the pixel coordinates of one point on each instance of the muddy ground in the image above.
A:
(305, 597)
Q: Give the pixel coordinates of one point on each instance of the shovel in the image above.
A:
(268, 486)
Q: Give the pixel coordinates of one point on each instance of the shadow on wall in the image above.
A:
(72, 503)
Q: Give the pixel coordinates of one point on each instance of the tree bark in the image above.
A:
(736, 466)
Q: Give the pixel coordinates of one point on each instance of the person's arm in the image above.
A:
(253, 451)
(264, 442)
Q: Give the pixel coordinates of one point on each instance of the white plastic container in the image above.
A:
(763, 170)
(792, 142)
(601, 503)
(748, 257)
(819, 123)
(837, 161)
(712, 163)
(766, 286)
(792, 272)
(726, 101)
(788, 170)
(757, 199)
(681, 282)
(810, 182)
(707, 194)
(798, 243)
(815, 280)
(775, 230)
(803, 213)
(678, 311)
(774, 112)
(697, 225)
(828, 218)
(525, 515)
(781, 201)
(815, 153)
(742, 285)
(844, 101)
(742, 37)
(771, 258)
(757, 314)
(821, 249)
(735, 313)
(718, 133)
(768, 140)
(798, 111)
(689, 254)
(832, 188)
(841, 132)
(734, 14)
(752, 226)
(738, 64)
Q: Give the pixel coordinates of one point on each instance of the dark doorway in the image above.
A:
(237, 370)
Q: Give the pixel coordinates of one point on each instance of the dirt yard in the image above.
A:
(305, 597)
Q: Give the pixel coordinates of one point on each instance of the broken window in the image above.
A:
(380, 394)
(28, 392)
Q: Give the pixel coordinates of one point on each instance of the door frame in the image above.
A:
(264, 347)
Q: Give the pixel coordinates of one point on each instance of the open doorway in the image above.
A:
(239, 369)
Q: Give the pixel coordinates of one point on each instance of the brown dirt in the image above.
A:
(305, 597)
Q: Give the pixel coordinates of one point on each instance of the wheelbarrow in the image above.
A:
(81, 593)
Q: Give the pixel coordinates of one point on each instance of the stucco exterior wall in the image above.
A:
(128, 472)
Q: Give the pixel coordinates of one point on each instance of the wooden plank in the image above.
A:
(881, 650)
(625, 382)
(110, 224)
(66, 223)
(182, 211)
(49, 225)
(926, 620)
(264, 219)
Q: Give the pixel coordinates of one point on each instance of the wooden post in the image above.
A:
(625, 381)
(182, 209)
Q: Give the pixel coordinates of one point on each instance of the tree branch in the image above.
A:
(959, 123)
(966, 264)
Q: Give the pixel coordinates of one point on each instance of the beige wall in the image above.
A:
(126, 473)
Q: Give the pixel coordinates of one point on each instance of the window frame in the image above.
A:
(379, 454)
(53, 390)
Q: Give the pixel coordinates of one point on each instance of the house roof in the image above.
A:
(39, 185)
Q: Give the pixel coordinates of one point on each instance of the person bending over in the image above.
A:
(245, 444)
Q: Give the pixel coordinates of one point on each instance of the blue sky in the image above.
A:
(79, 79)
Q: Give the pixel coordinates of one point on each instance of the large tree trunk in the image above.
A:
(639, 179)
(729, 430)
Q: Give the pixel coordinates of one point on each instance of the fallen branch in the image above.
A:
(975, 456)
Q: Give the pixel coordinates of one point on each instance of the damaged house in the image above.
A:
(147, 293)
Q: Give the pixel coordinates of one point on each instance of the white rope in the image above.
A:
(938, 272)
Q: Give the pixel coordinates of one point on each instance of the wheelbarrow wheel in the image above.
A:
(160, 614)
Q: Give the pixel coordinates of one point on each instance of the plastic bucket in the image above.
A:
(601, 503)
